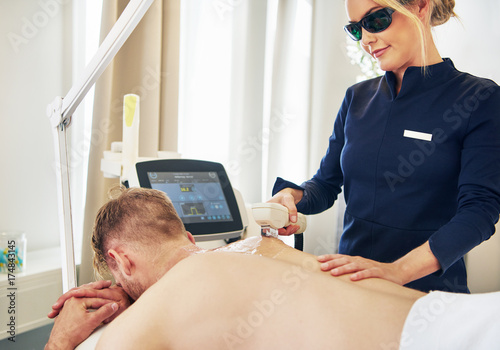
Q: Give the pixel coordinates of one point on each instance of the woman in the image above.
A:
(417, 152)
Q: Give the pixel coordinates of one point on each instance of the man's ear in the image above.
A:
(190, 237)
(123, 261)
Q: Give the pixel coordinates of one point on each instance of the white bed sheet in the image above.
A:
(91, 342)
(450, 321)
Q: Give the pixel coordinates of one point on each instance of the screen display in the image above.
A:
(197, 196)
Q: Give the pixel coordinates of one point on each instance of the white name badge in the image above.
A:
(417, 135)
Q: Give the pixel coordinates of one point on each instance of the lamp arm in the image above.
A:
(60, 112)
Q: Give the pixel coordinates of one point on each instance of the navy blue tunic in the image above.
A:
(403, 189)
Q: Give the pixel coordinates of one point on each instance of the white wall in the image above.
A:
(35, 67)
(472, 41)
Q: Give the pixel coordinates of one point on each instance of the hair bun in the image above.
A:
(442, 11)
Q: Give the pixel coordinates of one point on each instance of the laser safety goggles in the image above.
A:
(375, 22)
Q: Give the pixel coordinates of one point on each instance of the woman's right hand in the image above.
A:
(288, 197)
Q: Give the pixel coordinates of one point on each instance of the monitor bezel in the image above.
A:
(190, 165)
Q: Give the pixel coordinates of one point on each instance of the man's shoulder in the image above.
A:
(214, 262)
(212, 269)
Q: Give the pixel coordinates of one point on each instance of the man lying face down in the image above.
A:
(138, 237)
(257, 293)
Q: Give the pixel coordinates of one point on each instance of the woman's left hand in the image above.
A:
(360, 268)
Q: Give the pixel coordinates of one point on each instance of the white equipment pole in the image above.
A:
(60, 112)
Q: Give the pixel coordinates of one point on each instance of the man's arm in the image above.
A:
(75, 322)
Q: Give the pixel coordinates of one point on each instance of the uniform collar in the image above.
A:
(415, 79)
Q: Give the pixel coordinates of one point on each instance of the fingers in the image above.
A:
(103, 310)
(53, 313)
(86, 290)
(96, 303)
(359, 268)
(359, 272)
(113, 294)
(289, 230)
(283, 232)
(76, 321)
(104, 314)
(339, 264)
(332, 262)
(289, 202)
(368, 273)
(285, 198)
(328, 257)
(72, 293)
(98, 284)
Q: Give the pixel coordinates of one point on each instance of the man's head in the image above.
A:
(131, 237)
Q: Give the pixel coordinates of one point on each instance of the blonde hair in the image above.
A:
(440, 12)
(138, 216)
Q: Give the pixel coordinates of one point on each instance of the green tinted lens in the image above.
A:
(377, 21)
(354, 31)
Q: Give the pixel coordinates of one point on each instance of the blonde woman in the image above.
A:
(417, 152)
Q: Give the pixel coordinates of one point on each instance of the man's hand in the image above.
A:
(75, 322)
(99, 289)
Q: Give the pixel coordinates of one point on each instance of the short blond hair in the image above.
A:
(141, 216)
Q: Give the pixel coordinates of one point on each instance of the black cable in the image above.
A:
(299, 241)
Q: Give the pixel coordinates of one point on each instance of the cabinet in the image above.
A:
(36, 290)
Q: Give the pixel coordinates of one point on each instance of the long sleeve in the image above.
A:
(479, 179)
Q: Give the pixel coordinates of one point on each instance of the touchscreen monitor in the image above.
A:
(200, 192)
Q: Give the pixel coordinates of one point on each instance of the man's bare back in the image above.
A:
(275, 297)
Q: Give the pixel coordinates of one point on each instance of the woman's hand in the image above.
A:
(288, 197)
(361, 268)
(418, 263)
